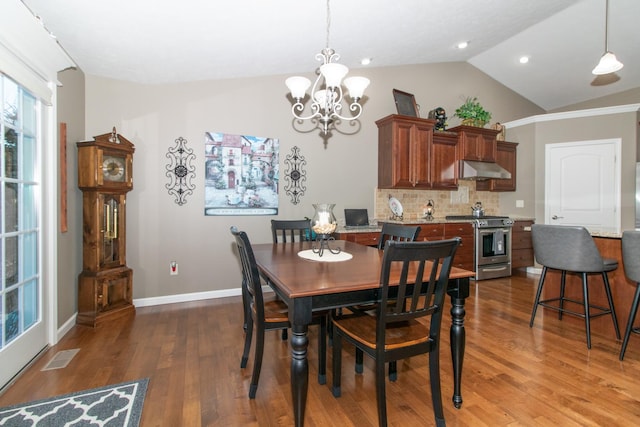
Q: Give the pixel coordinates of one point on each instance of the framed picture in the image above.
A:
(405, 103)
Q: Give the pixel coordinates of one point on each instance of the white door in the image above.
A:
(23, 327)
(582, 184)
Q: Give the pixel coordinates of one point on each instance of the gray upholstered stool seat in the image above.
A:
(571, 249)
(631, 262)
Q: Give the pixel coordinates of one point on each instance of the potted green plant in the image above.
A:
(472, 113)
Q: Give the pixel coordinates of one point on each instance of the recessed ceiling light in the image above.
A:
(462, 45)
(524, 59)
(365, 61)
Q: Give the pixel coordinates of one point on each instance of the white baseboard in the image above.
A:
(194, 296)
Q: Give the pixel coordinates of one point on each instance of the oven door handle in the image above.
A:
(493, 268)
(492, 230)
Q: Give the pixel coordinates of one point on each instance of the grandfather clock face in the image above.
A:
(112, 211)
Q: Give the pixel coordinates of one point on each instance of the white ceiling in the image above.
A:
(163, 41)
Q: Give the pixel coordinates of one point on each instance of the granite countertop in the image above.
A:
(376, 223)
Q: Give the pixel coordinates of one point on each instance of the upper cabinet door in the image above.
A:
(403, 152)
(478, 144)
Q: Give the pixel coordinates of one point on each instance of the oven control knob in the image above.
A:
(508, 222)
(482, 223)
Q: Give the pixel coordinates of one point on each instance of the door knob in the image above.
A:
(556, 217)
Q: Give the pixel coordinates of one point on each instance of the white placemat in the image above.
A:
(327, 256)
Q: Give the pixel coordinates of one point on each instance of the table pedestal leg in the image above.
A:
(299, 371)
(457, 336)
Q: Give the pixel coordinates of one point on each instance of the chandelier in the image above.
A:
(608, 63)
(326, 93)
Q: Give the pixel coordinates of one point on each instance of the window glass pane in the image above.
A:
(2, 321)
(28, 160)
(10, 153)
(11, 261)
(30, 304)
(28, 211)
(12, 315)
(10, 207)
(28, 113)
(30, 255)
(10, 104)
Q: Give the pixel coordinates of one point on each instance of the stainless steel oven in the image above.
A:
(492, 245)
(493, 250)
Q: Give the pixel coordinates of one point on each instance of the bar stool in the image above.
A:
(631, 261)
(571, 249)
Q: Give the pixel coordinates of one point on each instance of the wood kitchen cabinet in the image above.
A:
(521, 244)
(443, 159)
(478, 144)
(363, 238)
(411, 157)
(464, 257)
(506, 156)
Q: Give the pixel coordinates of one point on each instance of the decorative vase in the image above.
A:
(474, 122)
(323, 224)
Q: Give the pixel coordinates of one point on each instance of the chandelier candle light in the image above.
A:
(327, 93)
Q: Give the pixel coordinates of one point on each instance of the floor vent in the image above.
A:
(61, 359)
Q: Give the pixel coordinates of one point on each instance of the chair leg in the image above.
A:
(247, 342)
(337, 363)
(381, 397)
(257, 362)
(563, 281)
(607, 288)
(436, 391)
(393, 371)
(632, 319)
(538, 293)
(587, 311)
(359, 361)
(322, 351)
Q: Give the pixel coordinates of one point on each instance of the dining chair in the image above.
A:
(418, 273)
(267, 315)
(571, 249)
(295, 230)
(400, 233)
(631, 263)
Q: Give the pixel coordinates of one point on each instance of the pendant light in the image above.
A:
(608, 63)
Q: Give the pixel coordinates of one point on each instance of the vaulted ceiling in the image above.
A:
(163, 41)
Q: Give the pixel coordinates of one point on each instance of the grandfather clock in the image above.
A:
(105, 286)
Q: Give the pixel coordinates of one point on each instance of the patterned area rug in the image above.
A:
(117, 405)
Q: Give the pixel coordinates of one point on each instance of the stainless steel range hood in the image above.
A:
(483, 170)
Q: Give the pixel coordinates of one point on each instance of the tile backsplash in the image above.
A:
(445, 202)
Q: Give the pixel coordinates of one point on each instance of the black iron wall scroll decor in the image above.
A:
(180, 171)
(295, 175)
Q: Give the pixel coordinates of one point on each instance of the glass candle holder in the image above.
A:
(324, 224)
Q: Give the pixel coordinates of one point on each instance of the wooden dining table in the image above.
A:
(311, 285)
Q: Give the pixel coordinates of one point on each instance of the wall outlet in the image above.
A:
(519, 203)
(173, 268)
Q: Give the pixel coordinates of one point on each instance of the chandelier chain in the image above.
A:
(328, 22)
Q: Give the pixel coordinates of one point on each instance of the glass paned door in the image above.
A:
(20, 193)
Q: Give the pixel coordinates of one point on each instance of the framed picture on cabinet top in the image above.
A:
(405, 103)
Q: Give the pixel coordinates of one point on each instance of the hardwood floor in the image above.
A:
(513, 375)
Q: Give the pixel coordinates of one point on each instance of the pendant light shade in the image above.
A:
(608, 63)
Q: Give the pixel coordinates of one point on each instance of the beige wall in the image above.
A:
(342, 171)
(70, 109)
